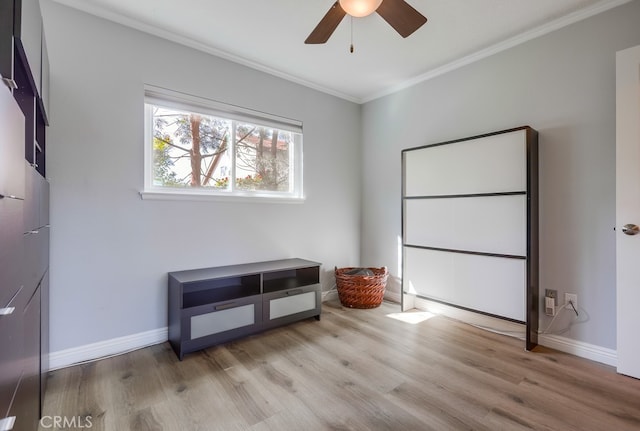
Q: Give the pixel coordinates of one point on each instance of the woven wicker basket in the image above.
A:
(361, 291)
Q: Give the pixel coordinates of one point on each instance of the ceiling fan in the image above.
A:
(398, 13)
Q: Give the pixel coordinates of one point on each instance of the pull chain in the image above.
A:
(351, 47)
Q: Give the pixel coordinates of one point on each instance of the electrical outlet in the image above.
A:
(571, 297)
(549, 306)
(551, 293)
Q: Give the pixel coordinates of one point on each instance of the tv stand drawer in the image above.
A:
(291, 305)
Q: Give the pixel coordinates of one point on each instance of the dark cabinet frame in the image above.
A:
(218, 300)
(24, 212)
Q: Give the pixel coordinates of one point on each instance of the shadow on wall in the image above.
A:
(393, 289)
(328, 280)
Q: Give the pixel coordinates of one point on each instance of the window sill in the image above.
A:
(239, 198)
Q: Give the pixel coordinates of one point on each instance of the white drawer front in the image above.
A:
(496, 163)
(493, 224)
(291, 305)
(484, 283)
(220, 321)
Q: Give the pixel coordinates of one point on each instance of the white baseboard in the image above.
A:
(392, 296)
(333, 294)
(116, 346)
(329, 295)
(483, 321)
(567, 345)
(579, 348)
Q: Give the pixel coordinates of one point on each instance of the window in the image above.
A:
(198, 148)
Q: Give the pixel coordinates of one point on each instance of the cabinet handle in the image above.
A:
(224, 306)
(12, 86)
(31, 232)
(8, 310)
(10, 197)
(294, 292)
(7, 424)
(5, 312)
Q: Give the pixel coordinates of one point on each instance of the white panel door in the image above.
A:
(489, 284)
(628, 209)
(489, 224)
(492, 164)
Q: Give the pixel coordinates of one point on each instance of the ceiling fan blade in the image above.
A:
(327, 25)
(401, 16)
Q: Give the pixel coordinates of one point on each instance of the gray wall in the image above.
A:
(563, 85)
(110, 250)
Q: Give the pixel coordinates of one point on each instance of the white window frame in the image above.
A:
(173, 99)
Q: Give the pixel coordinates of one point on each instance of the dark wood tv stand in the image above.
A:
(210, 306)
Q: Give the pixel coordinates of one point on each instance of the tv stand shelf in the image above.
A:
(210, 306)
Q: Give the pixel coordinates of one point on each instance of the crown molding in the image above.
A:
(126, 21)
(542, 30)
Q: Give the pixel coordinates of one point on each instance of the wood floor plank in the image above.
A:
(436, 406)
(352, 370)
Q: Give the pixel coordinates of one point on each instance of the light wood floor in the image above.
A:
(353, 370)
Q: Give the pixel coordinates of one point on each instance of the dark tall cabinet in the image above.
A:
(24, 215)
(470, 225)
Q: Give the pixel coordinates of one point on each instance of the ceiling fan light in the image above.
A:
(359, 8)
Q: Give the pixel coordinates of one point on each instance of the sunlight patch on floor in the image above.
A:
(412, 317)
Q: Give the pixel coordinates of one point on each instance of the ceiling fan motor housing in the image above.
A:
(397, 13)
(360, 8)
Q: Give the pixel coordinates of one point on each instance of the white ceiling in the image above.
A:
(269, 35)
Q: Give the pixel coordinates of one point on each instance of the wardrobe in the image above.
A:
(24, 215)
